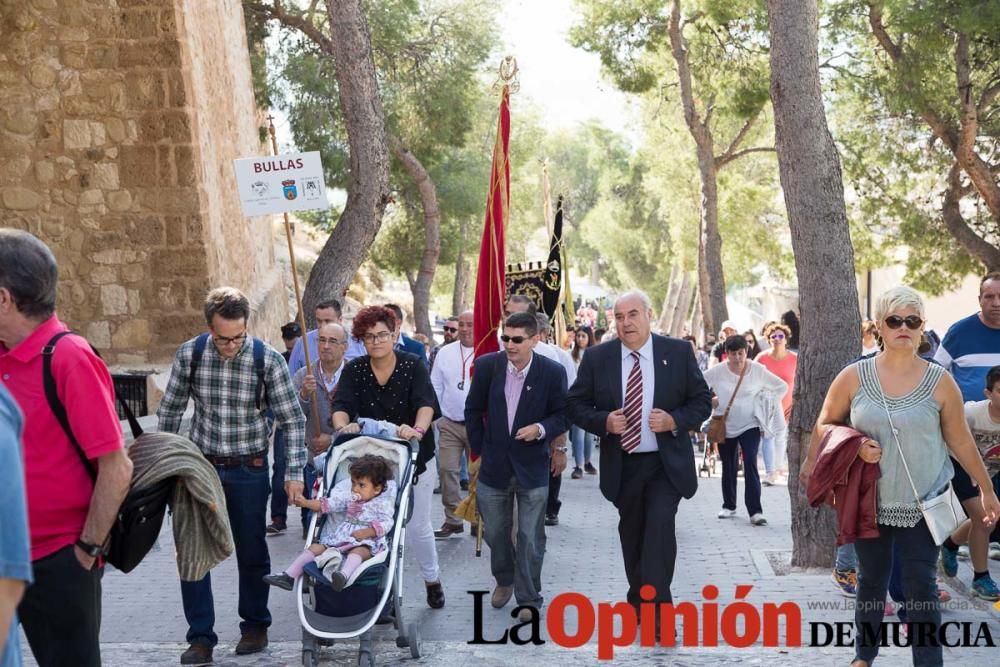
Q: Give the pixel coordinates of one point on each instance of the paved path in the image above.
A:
(144, 622)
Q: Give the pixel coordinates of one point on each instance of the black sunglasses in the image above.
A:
(517, 340)
(912, 322)
(450, 329)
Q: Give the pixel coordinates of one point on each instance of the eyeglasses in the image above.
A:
(777, 336)
(517, 340)
(329, 341)
(380, 337)
(450, 329)
(224, 340)
(912, 322)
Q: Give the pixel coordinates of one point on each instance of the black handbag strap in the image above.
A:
(59, 410)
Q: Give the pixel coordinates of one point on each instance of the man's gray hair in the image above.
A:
(28, 271)
(544, 326)
(638, 294)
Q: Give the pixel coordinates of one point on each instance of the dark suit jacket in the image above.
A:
(407, 344)
(679, 389)
(543, 401)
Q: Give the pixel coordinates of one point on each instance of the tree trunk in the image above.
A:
(432, 240)
(813, 187)
(954, 222)
(712, 278)
(668, 301)
(368, 190)
(707, 323)
(683, 306)
(697, 325)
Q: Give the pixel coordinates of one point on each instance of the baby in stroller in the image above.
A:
(367, 500)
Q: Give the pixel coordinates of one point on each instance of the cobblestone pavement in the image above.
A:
(144, 622)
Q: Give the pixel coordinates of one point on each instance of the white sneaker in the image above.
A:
(726, 514)
(995, 550)
(963, 552)
(758, 520)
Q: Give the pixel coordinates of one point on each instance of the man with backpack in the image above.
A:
(69, 513)
(233, 379)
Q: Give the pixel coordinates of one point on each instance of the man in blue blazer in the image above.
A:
(642, 393)
(515, 409)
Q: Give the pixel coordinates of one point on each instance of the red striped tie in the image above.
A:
(633, 407)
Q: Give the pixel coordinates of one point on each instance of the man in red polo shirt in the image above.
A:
(69, 515)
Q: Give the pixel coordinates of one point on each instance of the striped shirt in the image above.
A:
(226, 421)
(969, 350)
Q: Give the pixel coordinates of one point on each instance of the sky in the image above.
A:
(564, 82)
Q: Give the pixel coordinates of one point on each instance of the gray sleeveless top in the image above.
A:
(918, 417)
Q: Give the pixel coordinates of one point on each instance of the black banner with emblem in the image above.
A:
(542, 283)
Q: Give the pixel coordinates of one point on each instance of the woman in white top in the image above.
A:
(869, 338)
(742, 427)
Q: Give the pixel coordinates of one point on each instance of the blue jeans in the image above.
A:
(583, 445)
(279, 499)
(913, 552)
(309, 478)
(520, 565)
(246, 490)
(463, 470)
(847, 559)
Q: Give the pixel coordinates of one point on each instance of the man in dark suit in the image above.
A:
(642, 393)
(514, 412)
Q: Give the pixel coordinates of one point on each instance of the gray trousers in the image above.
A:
(520, 565)
(452, 442)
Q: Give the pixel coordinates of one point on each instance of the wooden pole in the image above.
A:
(298, 293)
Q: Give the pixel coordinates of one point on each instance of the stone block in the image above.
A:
(104, 175)
(165, 165)
(134, 301)
(114, 300)
(99, 334)
(97, 136)
(178, 92)
(42, 76)
(175, 227)
(150, 127)
(133, 273)
(145, 90)
(21, 122)
(138, 24)
(20, 199)
(73, 34)
(102, 56)
(76, 134)
(103, 275)
(168, 22)
(138, 166)
(115, 130)
(45, 172)
(147, 231)
(179, 262)
(120, 200)
(179, 327)
(117, 256)
(177, 126)
(12, 170)
(73, 55)
(91, 197)
(187, 173)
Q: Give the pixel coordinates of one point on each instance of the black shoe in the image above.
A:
(281, 580)
(437, 490)
(338, 581)
(277, 527)
(464, 484)
(577, 473)
(197, 654)
(252, 641)
(589, 468)
(551, 519)
(435, 595)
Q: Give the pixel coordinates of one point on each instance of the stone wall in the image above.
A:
(119, 121)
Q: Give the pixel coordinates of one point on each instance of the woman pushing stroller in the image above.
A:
(368, 501)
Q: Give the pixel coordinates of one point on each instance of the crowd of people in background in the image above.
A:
(512, 418)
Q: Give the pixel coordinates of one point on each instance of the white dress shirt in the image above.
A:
(452, 367)
(647, 440)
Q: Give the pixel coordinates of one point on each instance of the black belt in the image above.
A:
(256, 460)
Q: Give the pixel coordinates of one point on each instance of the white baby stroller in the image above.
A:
(374, 592)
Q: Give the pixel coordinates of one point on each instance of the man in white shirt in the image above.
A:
(451, 377)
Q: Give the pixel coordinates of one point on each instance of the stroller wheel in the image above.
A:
(309, 659)
(402, 641)
(414, 638)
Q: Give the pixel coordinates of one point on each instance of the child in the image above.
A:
(983, 418)
(368, 499)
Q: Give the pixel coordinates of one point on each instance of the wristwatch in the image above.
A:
(560, 449)
(92, 550)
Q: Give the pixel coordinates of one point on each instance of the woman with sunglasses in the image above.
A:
(395, 386)
(782, 362)
(913, 414)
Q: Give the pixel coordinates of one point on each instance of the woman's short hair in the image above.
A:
(777, 326)
(28, 271)
(368, 317)
(735, 343)
(898, 298)
(371, 467)
(228, 303)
